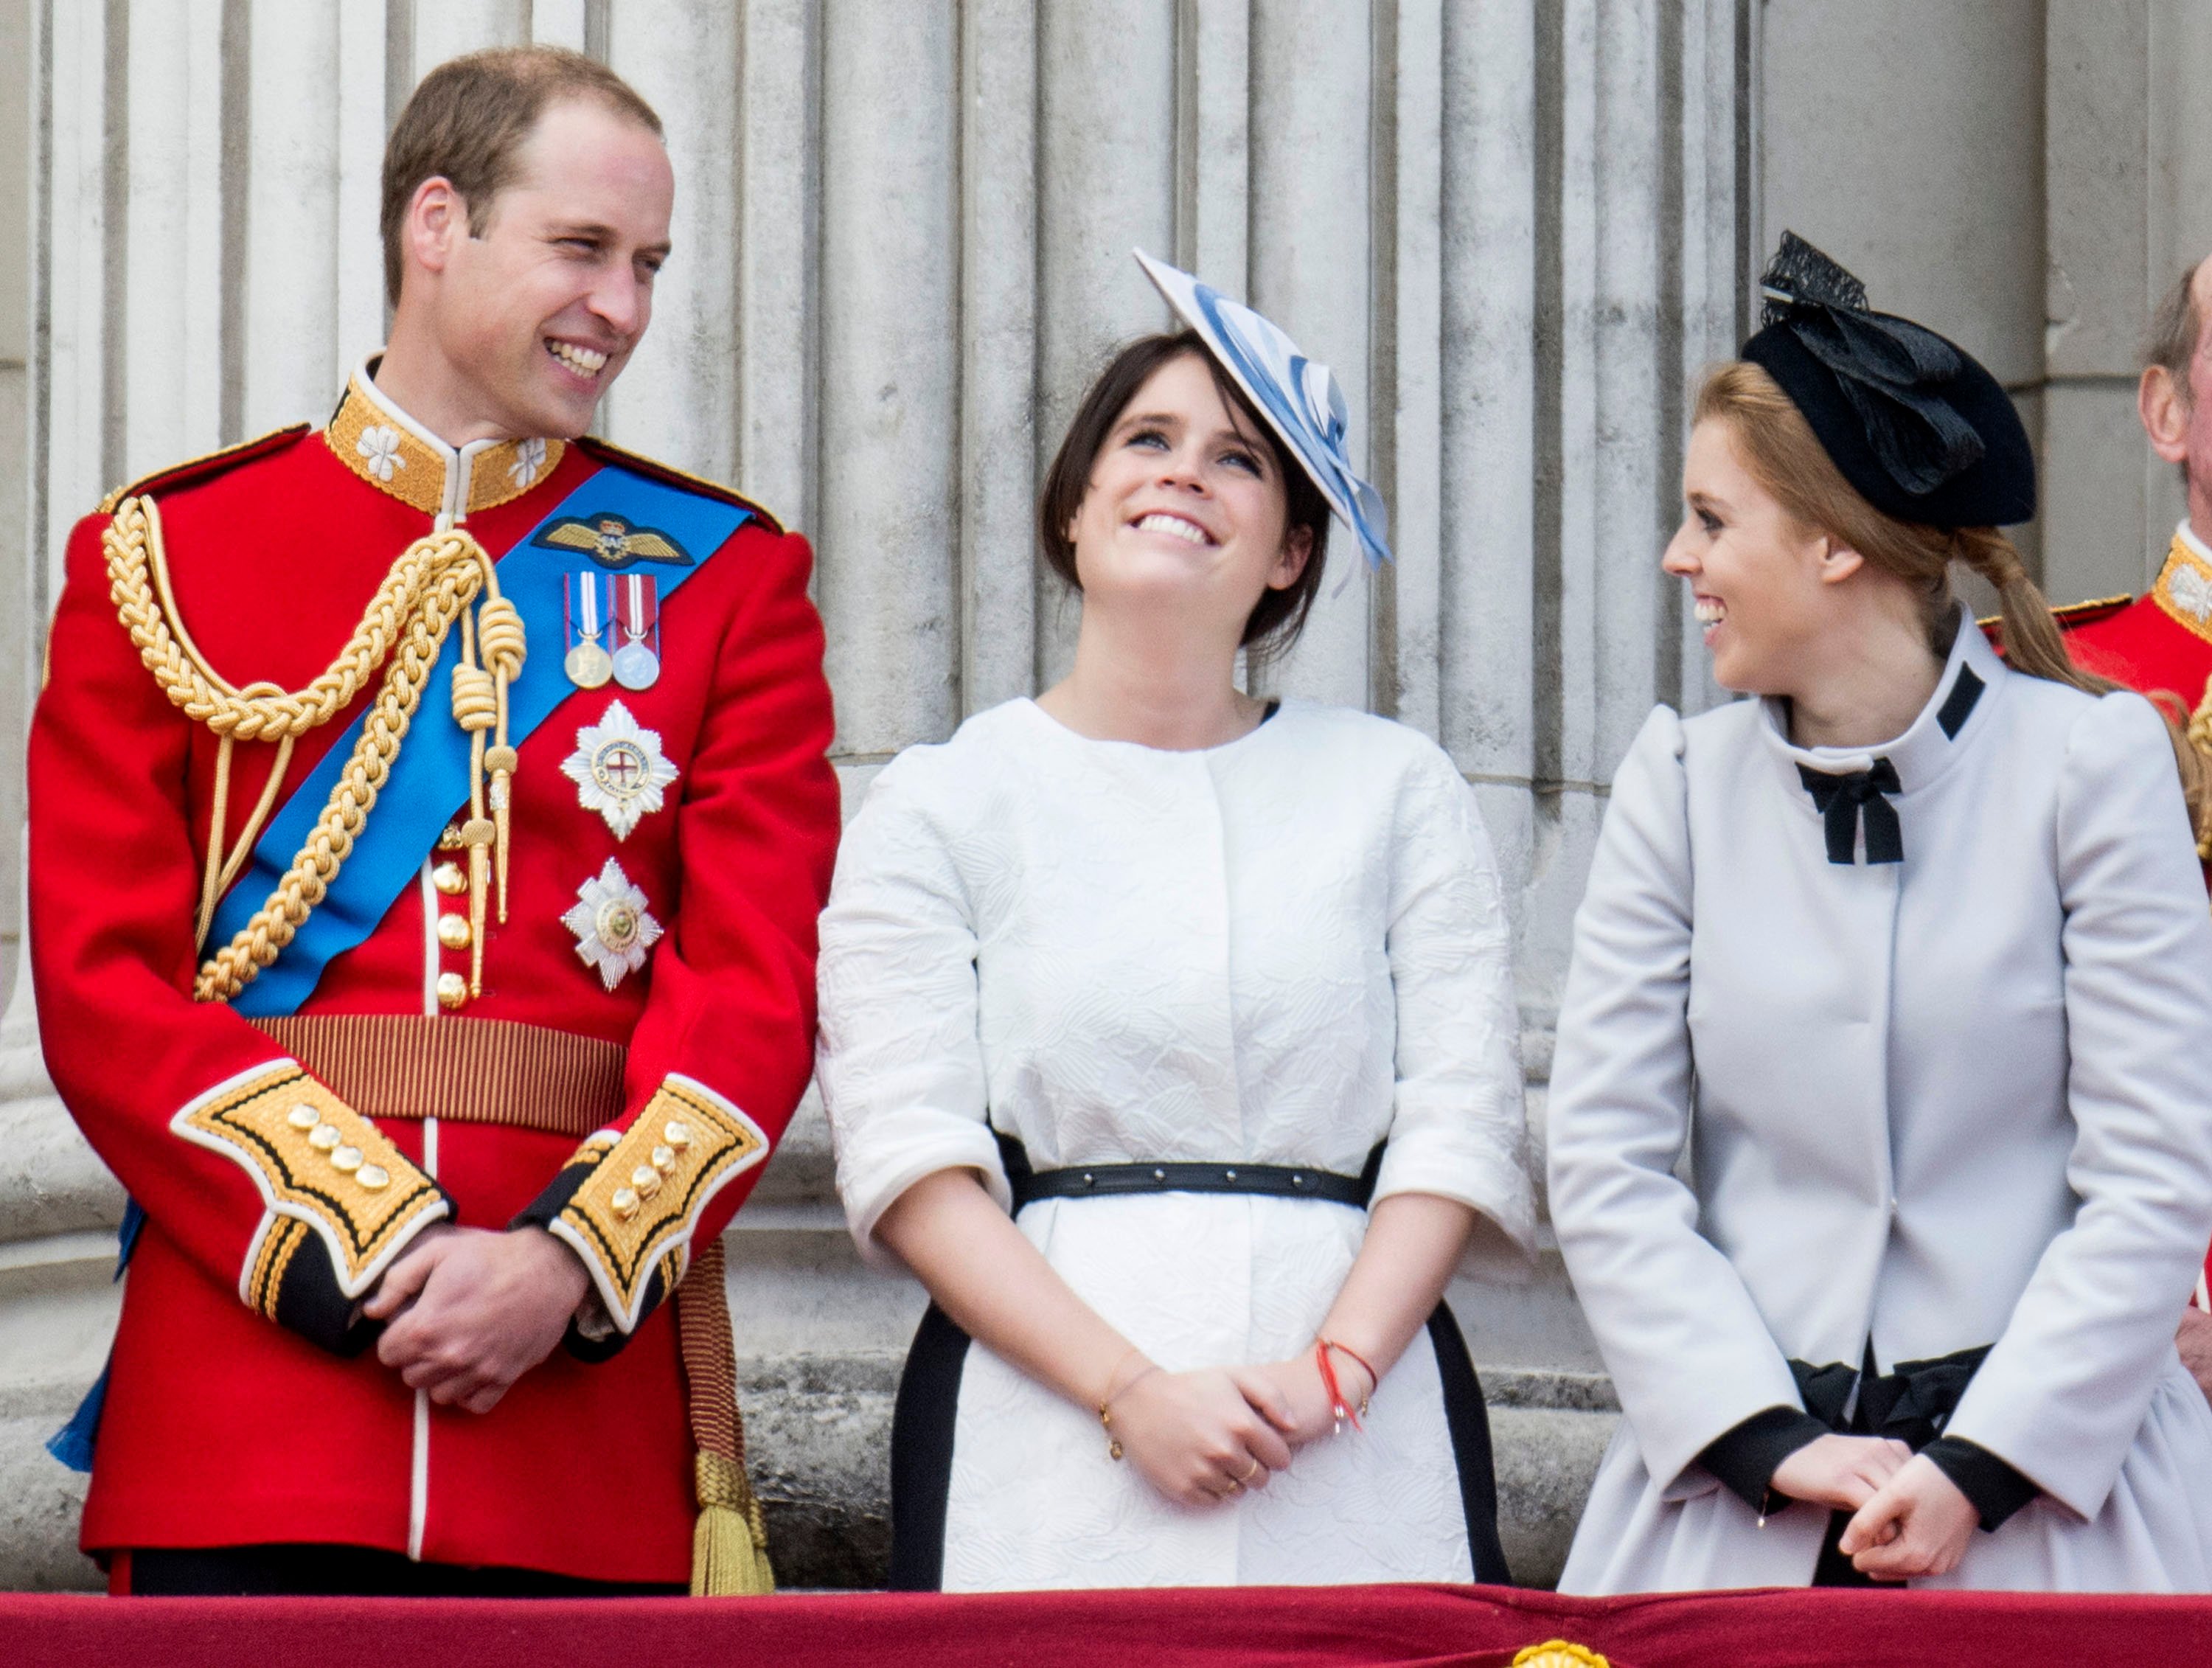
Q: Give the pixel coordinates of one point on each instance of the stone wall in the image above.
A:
(1517, 229)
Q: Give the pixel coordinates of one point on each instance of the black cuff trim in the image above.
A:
(309, 1302)
(593, 1351)
(540, 1211)
(1994, 1489)
(1746, 1457)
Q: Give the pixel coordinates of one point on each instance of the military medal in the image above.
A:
(613, 928)
(619, 770)
(587, 664)
(637, 615)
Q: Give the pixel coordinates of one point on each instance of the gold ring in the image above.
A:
(1250, 1471)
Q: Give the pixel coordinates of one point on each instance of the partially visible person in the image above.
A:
(437, 1003)
(2162, 642)
(1168, 1036)
(1911, 954)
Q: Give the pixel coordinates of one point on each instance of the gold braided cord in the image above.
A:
(2198, 734)
(135, 553)
(431, 585)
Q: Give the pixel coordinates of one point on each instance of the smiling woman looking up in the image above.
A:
(1168, 1036)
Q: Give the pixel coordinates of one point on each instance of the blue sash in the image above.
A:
(430, 778)
(428, 781)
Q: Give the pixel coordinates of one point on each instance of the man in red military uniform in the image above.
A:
(429, 813)
(2161, 643)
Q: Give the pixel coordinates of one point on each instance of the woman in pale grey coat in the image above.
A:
(1913, 953)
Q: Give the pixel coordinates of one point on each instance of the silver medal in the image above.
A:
(636, 666)
(637, 617)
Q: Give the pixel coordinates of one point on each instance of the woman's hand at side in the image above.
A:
(1201, 1437)
(1844, 1472)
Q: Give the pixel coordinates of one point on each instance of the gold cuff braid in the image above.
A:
(636, 1210)
(315, 1161)
(431, 585)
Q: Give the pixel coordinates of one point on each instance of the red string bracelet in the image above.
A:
(1339, 1410)
(1373, 1377)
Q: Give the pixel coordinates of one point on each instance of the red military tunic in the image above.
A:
(223, 1425)
(2161, 643)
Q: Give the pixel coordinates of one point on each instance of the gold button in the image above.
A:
(374, 1177)
(677, 1134)
(449, 837)
(664, 1160)
(625, 1203)
(454, 931)
(303, 1116)
(645, 1180)
(450, 879)
(452, 989)
(323, 1136)
(345, 1158)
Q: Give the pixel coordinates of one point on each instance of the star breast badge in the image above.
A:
(619, 770)
(614, 930)
(612, 542)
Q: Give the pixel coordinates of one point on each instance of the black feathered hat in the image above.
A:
(1913, 420)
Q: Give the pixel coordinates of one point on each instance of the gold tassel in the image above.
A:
(729, 1544)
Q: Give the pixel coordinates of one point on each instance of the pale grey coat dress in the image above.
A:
(1958, 1100)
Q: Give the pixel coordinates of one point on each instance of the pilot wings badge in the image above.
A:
(612, 542)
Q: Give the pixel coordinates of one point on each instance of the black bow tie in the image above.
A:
(1839, 798)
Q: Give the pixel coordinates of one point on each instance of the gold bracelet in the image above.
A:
(1105, 1402)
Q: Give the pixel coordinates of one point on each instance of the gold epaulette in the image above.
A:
(653, 469)
(2089, 613)
(2069, 615)
(207, 465)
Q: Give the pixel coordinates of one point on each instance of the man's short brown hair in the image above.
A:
(468, 119)
(2175, 330)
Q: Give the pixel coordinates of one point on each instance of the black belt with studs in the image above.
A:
(1097, 1180)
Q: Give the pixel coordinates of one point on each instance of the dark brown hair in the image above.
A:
(468, 120)
(1279, 615)
(2175, 329)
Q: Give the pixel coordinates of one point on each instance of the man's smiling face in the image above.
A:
(540, 313)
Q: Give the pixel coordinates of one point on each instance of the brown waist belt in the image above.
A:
(465, 1071)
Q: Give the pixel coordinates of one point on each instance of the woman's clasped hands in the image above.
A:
(1205, 1436)
(1908, 1519)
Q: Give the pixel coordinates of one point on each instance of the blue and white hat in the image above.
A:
(1298, 396)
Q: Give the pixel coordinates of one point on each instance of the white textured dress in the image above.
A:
(1957, 1100)
(1279, 951)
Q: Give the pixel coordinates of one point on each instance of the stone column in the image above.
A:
(903, 236)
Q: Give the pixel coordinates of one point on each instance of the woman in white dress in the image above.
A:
(1912, 953)
(1170, 1037)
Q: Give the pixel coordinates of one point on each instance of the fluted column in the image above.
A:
(1513, 230)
